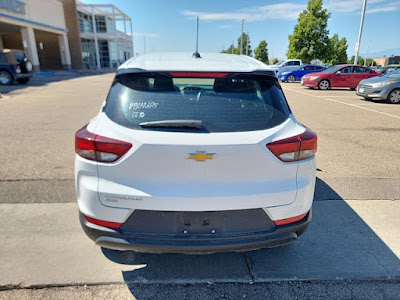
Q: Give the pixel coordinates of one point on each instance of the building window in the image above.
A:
(101, 25)
(111, 25)
(104, 54)
(85, 22)
(113, 54)
(88, 53)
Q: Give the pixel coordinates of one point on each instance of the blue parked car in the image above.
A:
(295, 74)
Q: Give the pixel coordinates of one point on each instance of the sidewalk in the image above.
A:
(44, 246)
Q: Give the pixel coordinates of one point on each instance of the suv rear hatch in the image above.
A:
(198, 142)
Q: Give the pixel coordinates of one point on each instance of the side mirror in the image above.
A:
(338, 73)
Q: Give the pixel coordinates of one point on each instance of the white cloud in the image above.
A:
(291, 11)
(351, 6)
(287, 11)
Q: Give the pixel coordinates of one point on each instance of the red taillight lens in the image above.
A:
(290, 220)
(108, 224)
(99, 148)
(295, 148)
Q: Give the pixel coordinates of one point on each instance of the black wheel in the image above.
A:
(394, 97)
(26, 66)
(352, 89)
(6, 78)
(291, 78)
(367, 99)
(324, 85)
(23, 80)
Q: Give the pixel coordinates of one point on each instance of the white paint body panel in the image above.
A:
(209, 62)
(155, 173)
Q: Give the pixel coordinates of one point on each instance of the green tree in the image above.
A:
(261, 52)
(370, 62)
(245, 37)
(231, 50)
(360, 60)
(236, 50)
(338, 50)
(310, 36)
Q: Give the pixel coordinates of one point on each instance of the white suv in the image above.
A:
(194, 155)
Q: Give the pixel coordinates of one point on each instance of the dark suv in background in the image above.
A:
(14, 66)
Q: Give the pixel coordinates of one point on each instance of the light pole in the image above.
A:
(360, 32)
(241, 39)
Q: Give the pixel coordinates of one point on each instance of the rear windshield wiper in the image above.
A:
(174, 124)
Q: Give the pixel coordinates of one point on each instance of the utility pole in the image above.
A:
(360, 32)
(241, 39)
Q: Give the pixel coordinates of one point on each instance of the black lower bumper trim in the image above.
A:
(195, 244)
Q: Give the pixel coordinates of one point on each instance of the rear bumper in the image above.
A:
(23, 75)
(195, 243)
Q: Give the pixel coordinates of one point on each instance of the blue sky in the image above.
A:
(169, 25)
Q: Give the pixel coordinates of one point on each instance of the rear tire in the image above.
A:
(394, 97)
(23, 80)
(6, 78)
(367, 99)
(352, 89)
(291, 79)
(26, 66)
(324, 85)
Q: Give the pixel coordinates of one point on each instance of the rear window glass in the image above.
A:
(237, 102)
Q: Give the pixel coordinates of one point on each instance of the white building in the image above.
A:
(39, 28)
(105, 34)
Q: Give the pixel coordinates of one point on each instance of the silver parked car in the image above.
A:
(385, 87)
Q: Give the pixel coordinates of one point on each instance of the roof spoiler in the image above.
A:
(270, 73)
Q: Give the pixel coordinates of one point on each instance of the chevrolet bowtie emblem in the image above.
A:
(200, 155)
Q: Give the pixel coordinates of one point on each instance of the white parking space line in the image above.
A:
(352, 97)
(345, 103)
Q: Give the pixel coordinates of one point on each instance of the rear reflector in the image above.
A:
(103, 223)
(290, 220)
(199, 74)
(99, 148)
(295, 148)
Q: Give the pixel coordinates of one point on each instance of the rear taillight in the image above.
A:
(18, 69)
(290, 220)
(99, 148)
(103, 223)
(295, 148)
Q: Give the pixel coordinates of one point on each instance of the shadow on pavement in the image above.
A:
(38, 81)
(337, 245)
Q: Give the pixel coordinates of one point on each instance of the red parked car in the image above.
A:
(341, 76)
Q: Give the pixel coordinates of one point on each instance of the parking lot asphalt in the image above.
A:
(353, 235)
